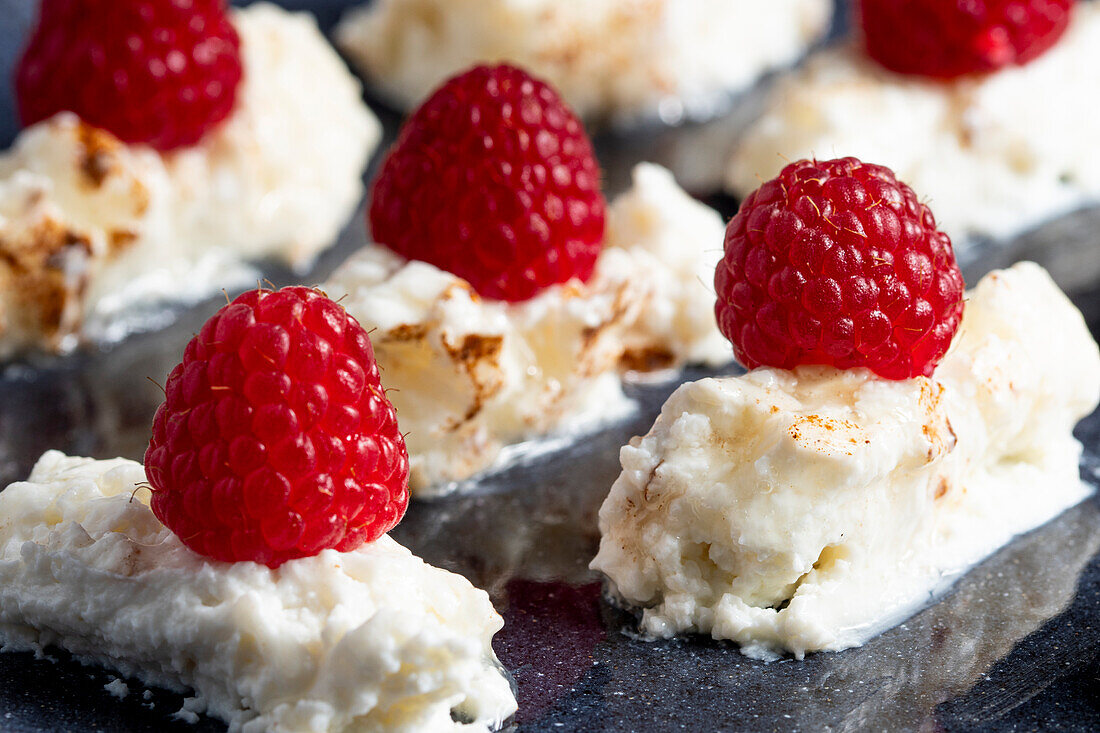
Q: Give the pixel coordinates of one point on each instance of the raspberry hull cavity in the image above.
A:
(372, 639)
(794, 511)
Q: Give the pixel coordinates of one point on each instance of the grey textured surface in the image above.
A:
(1015, 645)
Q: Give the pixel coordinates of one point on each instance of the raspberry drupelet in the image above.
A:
(155, 73)
(949, 38)
(275, 439)
(836, 262)
(494, 180)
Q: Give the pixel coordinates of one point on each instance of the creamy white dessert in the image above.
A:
(373, 639)
(469, 376)
(621, 58)
(811, 509)
(993, 155)
(91, 227)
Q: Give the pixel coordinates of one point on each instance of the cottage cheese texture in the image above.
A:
(469, 376)
(811, 509)
(992, 155)
(369, 640)
(91, 227)
(622, 58)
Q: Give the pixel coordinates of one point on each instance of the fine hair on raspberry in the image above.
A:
(275, 440)
(493, 179)
(156, 73)
(836, 262)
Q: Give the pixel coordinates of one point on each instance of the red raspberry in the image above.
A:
(275, 439)
(494, 180)
(836, 262)
(949, 38)
(161, 73)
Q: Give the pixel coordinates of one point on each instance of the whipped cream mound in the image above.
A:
(811, 509)
(992, 155)
(469, 376)
(374, 639)
(620, 58)
(91, 228)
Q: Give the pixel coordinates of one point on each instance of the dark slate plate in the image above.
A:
(1014, 645)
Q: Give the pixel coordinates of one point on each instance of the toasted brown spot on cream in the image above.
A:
(474, 351)
(646, 359)
(97, 152)
(407, 332)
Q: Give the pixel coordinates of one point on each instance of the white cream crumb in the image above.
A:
(117, 688)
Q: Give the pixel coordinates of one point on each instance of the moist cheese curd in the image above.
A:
(372, 639)
(794, 511)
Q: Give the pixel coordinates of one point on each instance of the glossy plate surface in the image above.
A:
(1014, 645)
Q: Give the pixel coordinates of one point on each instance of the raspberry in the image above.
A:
(160, 73)
(836, 262)
(494, 180)
(949, 38)
(275, 439)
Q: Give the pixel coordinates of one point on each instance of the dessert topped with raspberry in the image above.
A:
(162, 73)
(258, 575)
(979, 106)
(950, 39)
(504, 294)
(617, 59)
(882, 442)
(169, 147)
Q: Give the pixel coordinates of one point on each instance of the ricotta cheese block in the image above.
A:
(369, 640)
(993, 155)
(794, 511)
(470, 376)
(91, 228)
(618, 58)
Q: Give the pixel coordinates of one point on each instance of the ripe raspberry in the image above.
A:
(275, 440)
(949, 38)
(494, 180)
(160, 73)
(835, 262)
